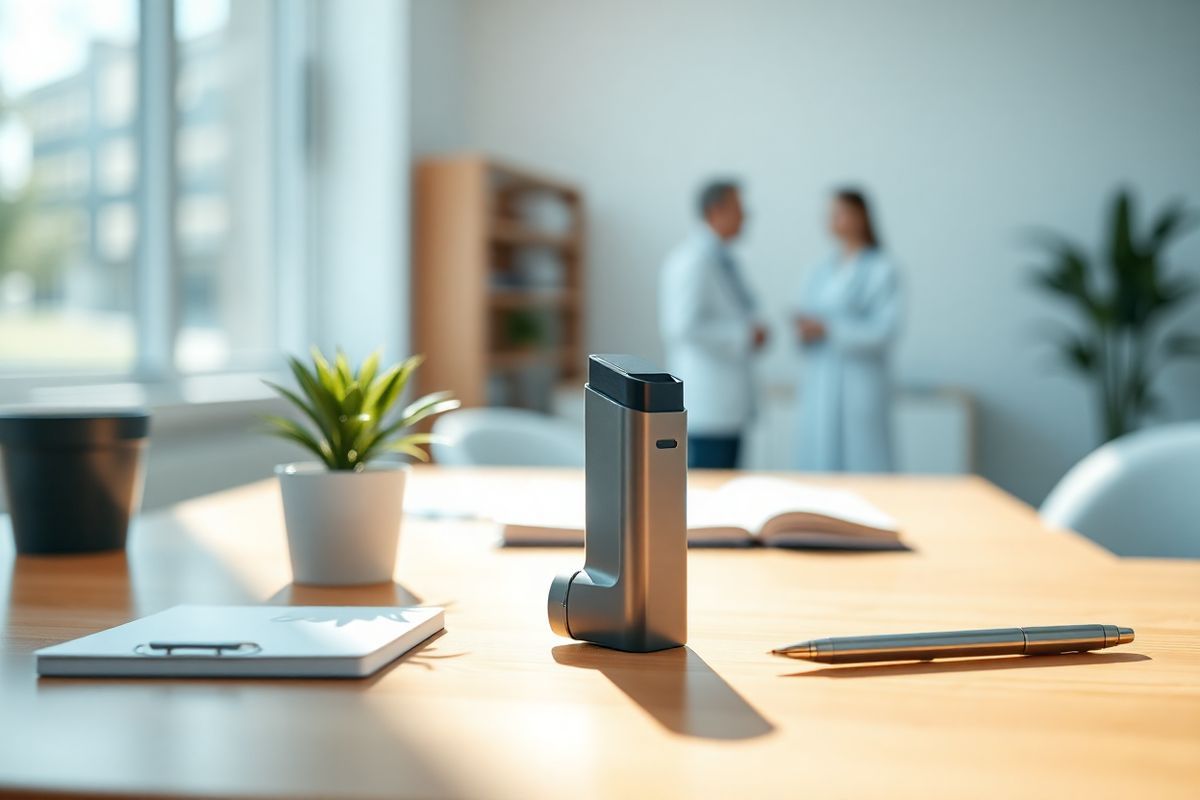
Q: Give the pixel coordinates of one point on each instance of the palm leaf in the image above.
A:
(1170, 293)
(1186, 345)
(1122, 250)
(1123, 307)
(1175, 220)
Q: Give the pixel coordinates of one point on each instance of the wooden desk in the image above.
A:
(500, 707)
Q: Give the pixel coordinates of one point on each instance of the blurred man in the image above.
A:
(709, 328)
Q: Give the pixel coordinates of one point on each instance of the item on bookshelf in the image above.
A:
(343, 513)
(539, 268)
(503, 246)
(770, 512)
(73, 477)
(544, 211)
(525, 328)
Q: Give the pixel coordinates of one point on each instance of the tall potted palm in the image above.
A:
(343, 511)
(1124, 298)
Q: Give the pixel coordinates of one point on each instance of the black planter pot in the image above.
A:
(73, 479)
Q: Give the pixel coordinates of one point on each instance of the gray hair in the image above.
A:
(714, 193)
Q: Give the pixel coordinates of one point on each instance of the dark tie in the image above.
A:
(745, 299)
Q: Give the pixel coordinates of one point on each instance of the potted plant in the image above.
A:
(343, 512)
(1123, 298)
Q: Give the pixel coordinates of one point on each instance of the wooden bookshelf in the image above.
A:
(498, 291)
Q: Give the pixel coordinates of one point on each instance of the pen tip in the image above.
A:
(1124, 635)
(798, 650)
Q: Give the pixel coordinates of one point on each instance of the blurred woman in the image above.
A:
(847, 319)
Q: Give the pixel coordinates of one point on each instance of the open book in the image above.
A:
(746, 511)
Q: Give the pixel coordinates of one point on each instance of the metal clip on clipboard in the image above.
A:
(197, 649)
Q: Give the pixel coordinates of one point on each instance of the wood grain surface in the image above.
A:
(497, 706)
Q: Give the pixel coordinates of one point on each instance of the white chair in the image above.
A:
(1138, 495)
(506, 437)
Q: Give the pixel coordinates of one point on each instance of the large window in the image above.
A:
(137, 216)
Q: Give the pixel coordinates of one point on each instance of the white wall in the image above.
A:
(437, 65)
(361, 177)
(967, 121)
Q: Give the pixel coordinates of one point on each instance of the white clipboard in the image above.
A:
(247, 641)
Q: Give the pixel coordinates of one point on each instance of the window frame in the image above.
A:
(157, 266)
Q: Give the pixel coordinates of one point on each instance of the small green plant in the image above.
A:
(1123, 298)
(351, 410)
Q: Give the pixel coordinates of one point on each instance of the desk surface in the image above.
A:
(500, 707)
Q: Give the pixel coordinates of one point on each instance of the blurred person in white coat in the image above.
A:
(710, 330)
(847, 320)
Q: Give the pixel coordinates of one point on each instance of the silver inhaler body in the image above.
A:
(632, 591)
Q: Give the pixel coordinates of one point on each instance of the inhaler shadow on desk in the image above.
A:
(676, 687)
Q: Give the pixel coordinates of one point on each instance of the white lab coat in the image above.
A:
(845, 393)
(709, 337)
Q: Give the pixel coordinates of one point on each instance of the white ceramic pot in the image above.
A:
(342, 527)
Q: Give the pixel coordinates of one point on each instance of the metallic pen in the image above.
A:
(959, 644)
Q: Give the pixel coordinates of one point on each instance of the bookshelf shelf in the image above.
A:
(516, 233)
(485, 235)
(532, 298)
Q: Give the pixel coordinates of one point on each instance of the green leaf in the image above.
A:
(395, 389)
(412, 450)
(349, 409)
(299, 403)
(1185, 345)
(1167, 294)
(352, 403)
(427, 406)
(409, 444)
(1175, 220)
(327, 376)
(366, 372)
(1122, 249)
(1069, 275)
(323, 402)
(290, 429)
(376, 390)
(1077, 352)
(344, 373)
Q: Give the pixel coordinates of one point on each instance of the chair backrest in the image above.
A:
(1138, 495)
(507, 437)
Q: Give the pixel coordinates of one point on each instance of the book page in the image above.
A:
(557, 515)
(763, 504)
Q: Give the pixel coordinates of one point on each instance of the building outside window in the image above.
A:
(71, 174)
